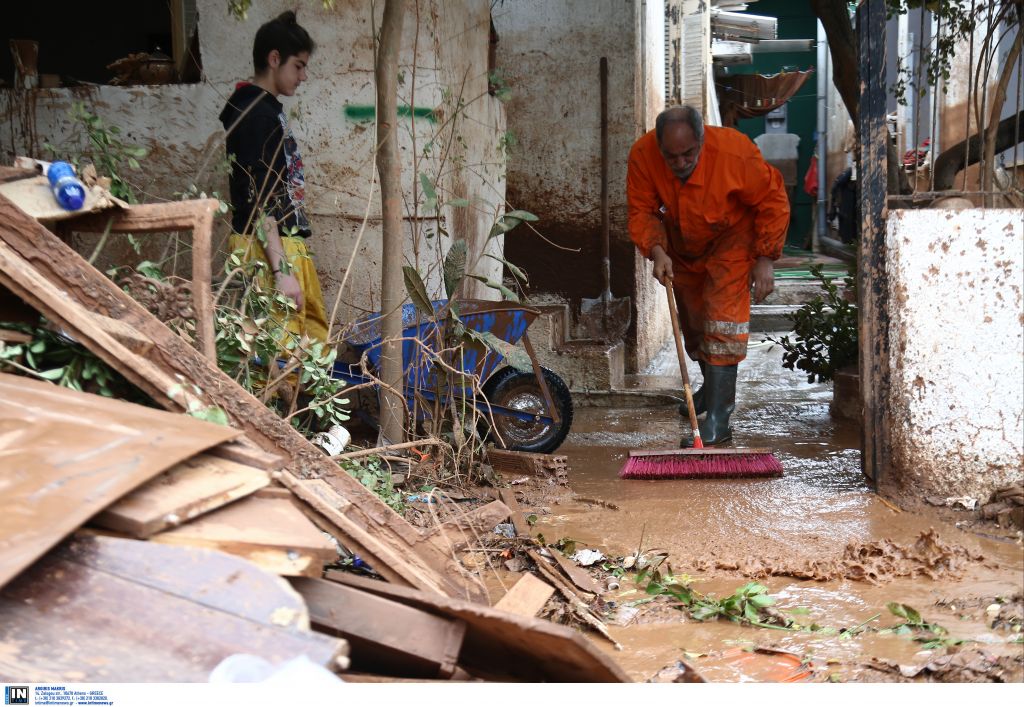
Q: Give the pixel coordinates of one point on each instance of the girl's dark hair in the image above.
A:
(285, 35)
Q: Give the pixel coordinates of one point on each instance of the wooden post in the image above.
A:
(194, 215)
(872, 282)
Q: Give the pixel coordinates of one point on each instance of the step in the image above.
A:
(771, 317)
(550, 329)
(584, 365)
(590, 365)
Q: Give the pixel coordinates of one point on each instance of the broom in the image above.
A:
(696, 462)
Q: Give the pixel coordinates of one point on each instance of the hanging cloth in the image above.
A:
(754, 95)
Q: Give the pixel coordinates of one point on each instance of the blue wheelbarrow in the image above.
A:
(522, 410)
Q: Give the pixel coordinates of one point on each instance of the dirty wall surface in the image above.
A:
(955, 303)
(550, 54)
(332, 118)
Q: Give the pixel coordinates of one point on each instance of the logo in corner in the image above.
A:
(16, 694)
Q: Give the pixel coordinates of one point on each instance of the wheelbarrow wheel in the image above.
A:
(519, 390)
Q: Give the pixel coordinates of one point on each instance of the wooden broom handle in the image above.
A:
(697, 442)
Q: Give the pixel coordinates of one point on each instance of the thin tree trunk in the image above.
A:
(842, 45)
(392, 289)
(998, 98)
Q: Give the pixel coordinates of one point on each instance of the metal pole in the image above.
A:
(872, 275)
(823, 59)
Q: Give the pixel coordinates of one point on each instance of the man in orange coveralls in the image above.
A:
(712, 215)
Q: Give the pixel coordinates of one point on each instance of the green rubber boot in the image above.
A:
(720, 398)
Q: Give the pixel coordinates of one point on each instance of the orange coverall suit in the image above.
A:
(732, 210)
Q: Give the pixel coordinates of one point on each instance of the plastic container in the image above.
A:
(67, 189)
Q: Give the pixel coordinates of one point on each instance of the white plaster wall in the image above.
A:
(654, 56)
(447, 53)
(957, 351)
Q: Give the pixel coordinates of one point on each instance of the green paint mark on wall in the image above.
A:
(368, 113)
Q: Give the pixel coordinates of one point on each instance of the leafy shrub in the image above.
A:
(824, 331)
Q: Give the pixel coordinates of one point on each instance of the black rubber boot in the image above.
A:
(698, 395)
(720, 398)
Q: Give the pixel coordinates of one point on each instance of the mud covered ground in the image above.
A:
(831, 553)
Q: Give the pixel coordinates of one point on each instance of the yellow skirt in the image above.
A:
(312, 320)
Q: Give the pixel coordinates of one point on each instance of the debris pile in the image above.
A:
(876, 562)
(142, 545)
(1006, 506)
(962, 665)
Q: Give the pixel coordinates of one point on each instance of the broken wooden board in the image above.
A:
(508, 497)
(12, 174)
(460, 532)
(503, 646)
(526, 597)
(58, 282)
(330, 506)
(386, 636)
(242, 450)
(34, 197)
(65, 455)
(272, 533)
(545, 466)
(9, 336)
(186, 491)
(195, 215)
(578, 576)
(109, 610)
(576, 603)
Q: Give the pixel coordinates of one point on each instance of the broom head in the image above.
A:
(700, 464)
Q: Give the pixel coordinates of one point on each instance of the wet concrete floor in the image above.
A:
(822, 503)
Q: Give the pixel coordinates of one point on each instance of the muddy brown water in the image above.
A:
(822, 503)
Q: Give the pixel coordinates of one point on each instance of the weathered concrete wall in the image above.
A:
(652, 326)
(550, 53)
(443, 62)
(173, 122)
(955, 286)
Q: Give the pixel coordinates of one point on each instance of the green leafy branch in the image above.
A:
(376, 477)
(930, 634)
(824, 331)
(749, 605)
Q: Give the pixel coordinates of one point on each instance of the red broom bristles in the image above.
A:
(698, 466)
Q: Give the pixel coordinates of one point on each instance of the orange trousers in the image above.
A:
(713, 296)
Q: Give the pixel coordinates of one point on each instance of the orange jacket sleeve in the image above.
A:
(764, 191)
(645, 226)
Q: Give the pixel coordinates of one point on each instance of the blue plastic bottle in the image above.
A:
(67, 190)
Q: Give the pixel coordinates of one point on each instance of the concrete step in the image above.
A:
(796, 291)
(771, 317)
(550, 329)
(584, 365)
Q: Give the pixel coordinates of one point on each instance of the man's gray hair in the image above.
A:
(680, 114)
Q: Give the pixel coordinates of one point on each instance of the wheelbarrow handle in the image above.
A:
(552, 409)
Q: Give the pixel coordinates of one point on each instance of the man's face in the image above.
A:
(680, 149)
(290, 74)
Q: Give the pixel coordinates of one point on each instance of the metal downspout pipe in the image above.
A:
(823, 74)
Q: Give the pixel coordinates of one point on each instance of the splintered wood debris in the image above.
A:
(138, 545)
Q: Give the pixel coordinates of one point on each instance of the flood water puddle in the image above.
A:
(715, 532)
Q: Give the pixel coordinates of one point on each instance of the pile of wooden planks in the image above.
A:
(121, 521)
